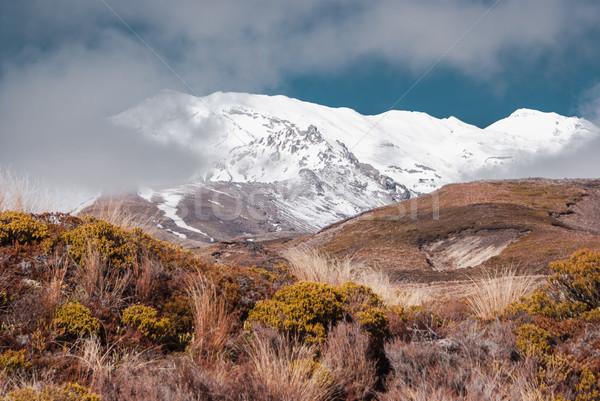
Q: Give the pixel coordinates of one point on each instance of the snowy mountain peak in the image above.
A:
(335, 161)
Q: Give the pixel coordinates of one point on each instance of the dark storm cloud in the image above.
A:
(67, 65)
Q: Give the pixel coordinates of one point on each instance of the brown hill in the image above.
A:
(437, 237)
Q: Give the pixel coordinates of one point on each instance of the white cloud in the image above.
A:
(67, 65)
(53, 119)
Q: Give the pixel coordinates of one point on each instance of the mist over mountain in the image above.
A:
(272, 164)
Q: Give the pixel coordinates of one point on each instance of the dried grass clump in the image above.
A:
(119, 213)
(97, 280)
(19, 193)
(213, 323)
(490, 294)
(472, 363)
(278, 373)
(346, 356)
(312, 265)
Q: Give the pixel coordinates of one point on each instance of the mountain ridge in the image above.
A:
(305, 165)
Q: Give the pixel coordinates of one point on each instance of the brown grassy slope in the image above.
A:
(553, 218)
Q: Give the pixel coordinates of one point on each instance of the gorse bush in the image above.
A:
(21, 228)
(14, 362)
(578, 279)
(573, 291)
(75, 320)
(67, 392)
(304, 308)
(145, 320)
(307, 309)
(118, 246)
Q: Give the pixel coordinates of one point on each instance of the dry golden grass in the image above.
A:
(312, 265)
(56, 271)
(146, 272)
(281, 370)
(492, 292)
(101, 363)
(346, 356)
(213, 324)
(18, 192)
(98, 281)
(117, 212)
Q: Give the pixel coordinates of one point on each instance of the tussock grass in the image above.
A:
(282, 370)
(20, 193)
(56, 271)
(213, 324)
(146, 272)
(102, 363)
(117, 212)
(309, 264)
(346, 356)
(98, 281)
(494, 291)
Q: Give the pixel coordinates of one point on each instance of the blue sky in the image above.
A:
(66, 65)
(365, 55)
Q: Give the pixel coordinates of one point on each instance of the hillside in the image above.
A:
(272, 166)
(93, 311)
(522, 223)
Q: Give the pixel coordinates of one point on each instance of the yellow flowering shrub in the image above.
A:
(119, 246)
(14, 361)
(66, 392)
(374, 321)
(540, 304)
(74, 319)
(308, 308)
(357, 297)
(21, 228)
(577, 279)
(145, 320)
(305, 309)
(533, 341)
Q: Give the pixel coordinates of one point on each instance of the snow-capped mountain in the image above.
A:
(302, 165)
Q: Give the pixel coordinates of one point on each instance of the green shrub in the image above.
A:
(374, 321)
(540, 304)
(357, 297)
(74, 319)
(305, 309)
(577, 279)
(533, 341)
(14, 361)
(144, 319)
(120, 247)
(21, 228)
(66, 392)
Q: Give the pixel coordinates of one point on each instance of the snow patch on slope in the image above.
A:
(170, 200)
(323, 164)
